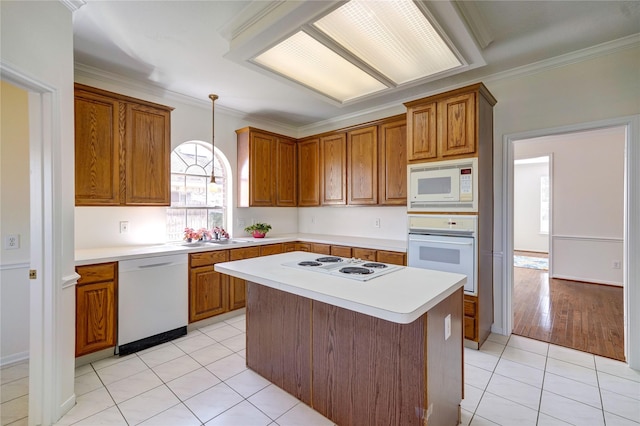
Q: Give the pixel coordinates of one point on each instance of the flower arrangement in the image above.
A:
(203, 234)
(258, 230)
(219, 232)
(192, 235)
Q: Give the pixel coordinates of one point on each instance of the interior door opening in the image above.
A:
(559, 276)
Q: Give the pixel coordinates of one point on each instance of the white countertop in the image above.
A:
(115, 254)
(401, 296)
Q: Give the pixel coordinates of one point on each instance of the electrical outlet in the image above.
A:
(12, 242)
(376, 222)
(124, 227)
(313, 220)
(242, 223)
(447, 327)
(616, 264)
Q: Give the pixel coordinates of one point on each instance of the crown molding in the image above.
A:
(391, 108)
(585, 54)
(73, 5)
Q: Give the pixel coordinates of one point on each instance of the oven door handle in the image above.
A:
(448, 242)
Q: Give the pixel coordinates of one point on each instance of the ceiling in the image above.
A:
(194, 48)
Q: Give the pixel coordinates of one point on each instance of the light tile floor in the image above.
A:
(201, 379)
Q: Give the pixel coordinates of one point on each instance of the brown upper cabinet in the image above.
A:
(446, 125)
(362, 166)
(309, 172)
(259, 185)
(392, 160)
(333, 171)
(122, 150)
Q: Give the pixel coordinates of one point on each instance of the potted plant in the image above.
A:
(258, 230)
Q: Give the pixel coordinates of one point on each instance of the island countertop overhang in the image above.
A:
(401, 296)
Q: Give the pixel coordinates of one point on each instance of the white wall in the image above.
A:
(354, 221)
(598, 88)
(14, 217)
(588, 201)
(526, 207)
(37, 44)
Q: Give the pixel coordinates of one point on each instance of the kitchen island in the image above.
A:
(384, 351)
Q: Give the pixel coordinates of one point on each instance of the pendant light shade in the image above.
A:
(213, 133)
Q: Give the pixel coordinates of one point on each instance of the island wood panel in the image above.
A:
(278, 329)
(368, 371)
(445, 361)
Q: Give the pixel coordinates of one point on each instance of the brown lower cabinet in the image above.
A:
(212, 293)
(208, 289)
(96, 307)
(470, 315)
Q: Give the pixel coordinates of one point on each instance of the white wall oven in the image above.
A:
(443, 186)
(445, 243)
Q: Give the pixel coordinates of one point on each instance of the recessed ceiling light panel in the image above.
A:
(394, 37)
(302, 58)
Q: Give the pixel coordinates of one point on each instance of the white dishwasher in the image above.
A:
(153, 301)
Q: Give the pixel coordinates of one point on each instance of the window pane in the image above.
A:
(197, 218)
(178, 190)
(176, 222)
(216, 193)
(195, 202)
(196, 190)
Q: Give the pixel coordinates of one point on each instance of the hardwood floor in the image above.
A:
(582, 316)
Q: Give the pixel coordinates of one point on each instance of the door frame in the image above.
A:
(44, 290)
(631, 244)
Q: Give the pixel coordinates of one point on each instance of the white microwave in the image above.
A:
(443, 186)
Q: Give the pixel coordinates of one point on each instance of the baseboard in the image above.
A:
(67, 405)
(14, 359)
(586, 280)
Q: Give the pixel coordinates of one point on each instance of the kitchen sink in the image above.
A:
(225, 242)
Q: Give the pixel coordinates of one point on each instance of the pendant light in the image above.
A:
(213, 133)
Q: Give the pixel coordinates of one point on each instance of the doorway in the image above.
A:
(572, 247)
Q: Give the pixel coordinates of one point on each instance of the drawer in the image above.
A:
(470, 328)
(364, 254)
(244, 253)
(320, 248)
(96, 273)
(392, 257)
(208, 257)
(341, 251)
(271, 249)
(470, 308)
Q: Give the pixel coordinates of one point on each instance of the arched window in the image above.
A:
(195, 202)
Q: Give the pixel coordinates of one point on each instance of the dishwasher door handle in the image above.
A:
(155, 265)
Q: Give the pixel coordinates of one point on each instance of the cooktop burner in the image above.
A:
(374, 265)
(356, 270)
(309, 263)
(329, 259)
